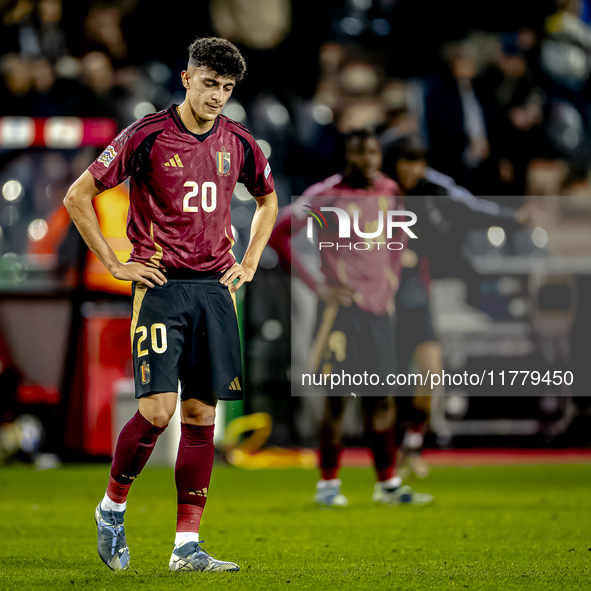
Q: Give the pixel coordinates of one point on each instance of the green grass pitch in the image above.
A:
(501, 528)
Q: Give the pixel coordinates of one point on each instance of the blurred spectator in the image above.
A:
(17, 32)
(458, 136)
(102, 27)
(52, 96)
(514, 111)
(50, 34)
(102, 97)
(17, 83)
(566, 53)
(34, 29)
(565, 59)
(403, 111)
(258, 24)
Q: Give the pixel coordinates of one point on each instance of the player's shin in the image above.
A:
(379, 435)
(192, 475)
(134, 447)
(383, 449)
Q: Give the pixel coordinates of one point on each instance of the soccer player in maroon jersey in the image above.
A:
(183, 165)
(354, 330)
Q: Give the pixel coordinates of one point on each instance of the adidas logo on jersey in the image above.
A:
(235, 385)
(175, 162)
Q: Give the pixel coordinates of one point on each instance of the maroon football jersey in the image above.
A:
(181, 185)
(372, 274)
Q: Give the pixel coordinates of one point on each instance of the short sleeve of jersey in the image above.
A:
(256, 171)
(118, 161)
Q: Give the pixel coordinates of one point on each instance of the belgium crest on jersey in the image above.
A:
(145, 372)
(223, 162)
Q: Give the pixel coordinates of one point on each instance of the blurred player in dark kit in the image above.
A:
(354, 330)
(183, 164)
(444, 212)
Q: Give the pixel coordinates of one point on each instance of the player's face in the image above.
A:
(409, 172)
(365, 157)
(207, 92)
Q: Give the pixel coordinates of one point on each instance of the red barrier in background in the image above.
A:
(103, 359)
(56, 132)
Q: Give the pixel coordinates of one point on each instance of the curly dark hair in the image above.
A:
(218, 55)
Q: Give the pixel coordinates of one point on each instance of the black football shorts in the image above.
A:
(353, 341)
(186, 330)
(414, 324)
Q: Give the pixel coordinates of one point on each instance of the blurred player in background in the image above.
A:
(354, 328)
(444, 212)
(183, 164)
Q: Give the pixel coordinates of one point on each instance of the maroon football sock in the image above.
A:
(192, 474)
(383, 449)
(418, 427)
(330, 456)
(134, 446)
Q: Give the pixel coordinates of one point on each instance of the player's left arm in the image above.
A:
(260, 232)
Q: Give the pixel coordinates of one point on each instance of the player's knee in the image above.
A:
(199, 414)
(381, 414)
(160, 418)
(158, 409)
(428, 357)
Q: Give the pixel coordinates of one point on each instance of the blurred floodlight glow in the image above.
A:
(571, 139)
(12, 190)
(381, 27)
(496, 236)
(37, 230)
(234, 110)
(241, 217)
(265, 147)
(143, 108)
(362, 4)
(241, 192)
(351, 26)
(456, 406)
(159, 72)
(159, 95)
(278, 114)
(9, 215)
(63, 132)
(322, 114)
(539, 237)
(509, 285)
(518, 307)
(269, 258)
(272, 330)
(549, 404)
(1, 233)
(16, 132)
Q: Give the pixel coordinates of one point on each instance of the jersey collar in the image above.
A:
(182, 127)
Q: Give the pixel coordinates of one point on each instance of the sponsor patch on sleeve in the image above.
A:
(107, 156)
(267, 170)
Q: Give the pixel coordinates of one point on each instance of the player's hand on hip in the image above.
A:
(236, 271)
(335, 295)
(138, 272)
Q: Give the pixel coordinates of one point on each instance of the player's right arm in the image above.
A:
(78, 202)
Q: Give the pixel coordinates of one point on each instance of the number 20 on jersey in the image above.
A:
(208, 197)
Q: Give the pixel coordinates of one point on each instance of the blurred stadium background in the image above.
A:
(75, 73)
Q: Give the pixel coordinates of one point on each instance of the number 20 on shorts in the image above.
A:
(154, 330)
